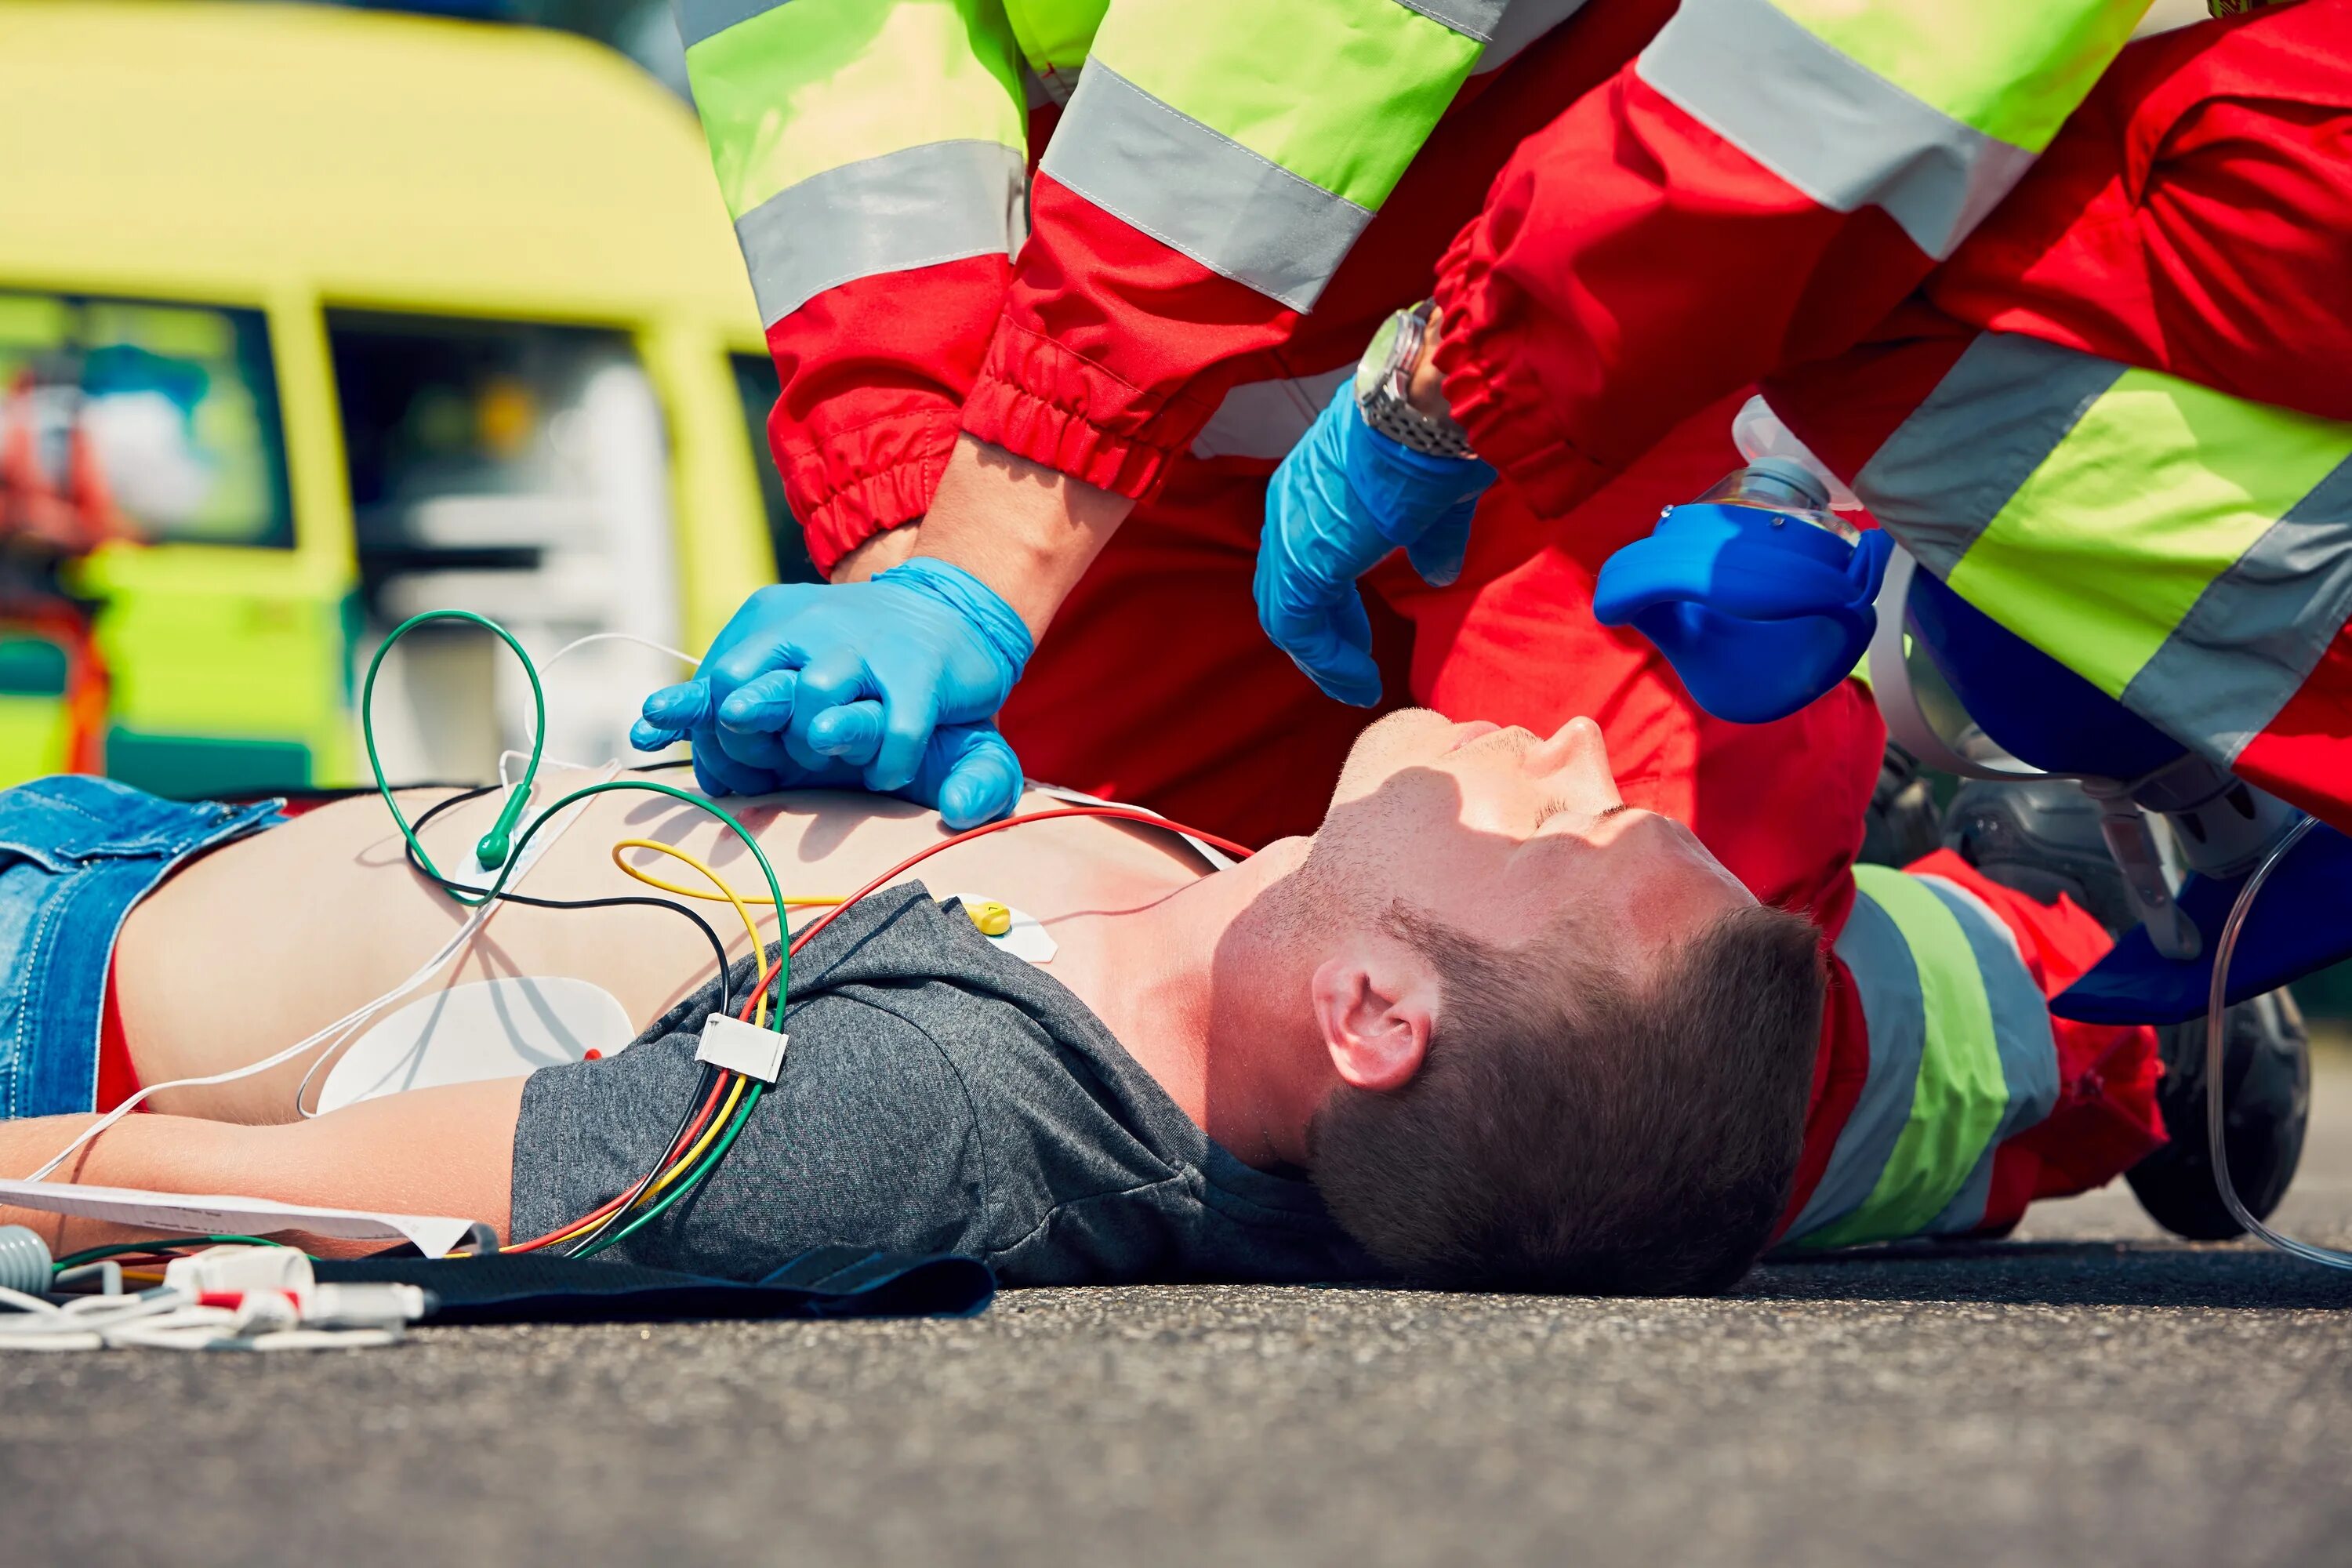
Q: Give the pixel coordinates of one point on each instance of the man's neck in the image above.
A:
(1181, 984)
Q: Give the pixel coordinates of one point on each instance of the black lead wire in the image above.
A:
(709, 933)
(719, 955)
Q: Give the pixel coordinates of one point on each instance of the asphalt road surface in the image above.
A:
(2088, 1393)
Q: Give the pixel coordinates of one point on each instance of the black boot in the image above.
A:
(1901, 824)
(2042, 838)
(2266, 1100)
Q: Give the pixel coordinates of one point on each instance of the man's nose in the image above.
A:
(1576, 752)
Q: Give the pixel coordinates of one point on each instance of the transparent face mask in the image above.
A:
(1781, 486)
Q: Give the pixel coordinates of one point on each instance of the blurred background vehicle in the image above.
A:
(311, 318)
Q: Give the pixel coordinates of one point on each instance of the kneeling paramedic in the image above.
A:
(2107, 429)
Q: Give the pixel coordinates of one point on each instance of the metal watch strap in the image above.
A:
(1381, 391)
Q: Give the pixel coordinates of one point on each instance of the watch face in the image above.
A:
(1372, 370)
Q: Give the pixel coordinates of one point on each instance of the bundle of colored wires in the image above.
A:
(503, 848)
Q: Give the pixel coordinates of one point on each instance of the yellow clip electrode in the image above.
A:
(725, 895)
(992, 918)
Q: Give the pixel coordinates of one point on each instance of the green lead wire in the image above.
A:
(512, 854)
(161, 1243)
(494, 847)
(692, 1180)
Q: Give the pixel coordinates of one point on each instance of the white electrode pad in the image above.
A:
(482, 1029)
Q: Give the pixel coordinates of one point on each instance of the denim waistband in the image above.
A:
(76, 853)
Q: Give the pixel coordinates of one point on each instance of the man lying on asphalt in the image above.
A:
(1502, 1027)
(1492, 1026)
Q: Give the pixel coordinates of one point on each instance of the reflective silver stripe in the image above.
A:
(2003, 408)
(940, 201)
(2258, 630)
(1830, 126)
(1886, 977)
(1266, 418)
(1471, 18)
(1522, 24)
(700, 20)
(1200, 192)
(1038, 90)
(2021, 1027)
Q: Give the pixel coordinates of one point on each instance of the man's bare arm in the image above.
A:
(447, 1151)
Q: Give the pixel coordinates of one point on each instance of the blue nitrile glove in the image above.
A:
(968, 774)
(1345, 497)
(870, 677)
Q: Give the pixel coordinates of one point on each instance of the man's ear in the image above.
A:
(1374, 1008)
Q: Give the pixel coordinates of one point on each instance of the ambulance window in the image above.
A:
(159, 420)
(520, 470)
(756, 384)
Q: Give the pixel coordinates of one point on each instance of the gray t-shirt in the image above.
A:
(938, 1095)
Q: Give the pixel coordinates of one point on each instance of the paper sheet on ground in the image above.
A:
(207, 1213)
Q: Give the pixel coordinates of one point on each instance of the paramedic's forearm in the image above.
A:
(880, 554)
(1027, 530)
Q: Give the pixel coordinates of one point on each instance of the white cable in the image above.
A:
(174, 1318)
(26, 1303)
(615, 636)
(349, 1025)
(343, 1028)
(506, 785)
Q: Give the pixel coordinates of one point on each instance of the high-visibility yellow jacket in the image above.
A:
(1214, 162)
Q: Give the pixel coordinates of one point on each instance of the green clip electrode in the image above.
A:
(494, 845)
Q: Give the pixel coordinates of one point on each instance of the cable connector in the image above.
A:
(236, 1270)
(739, 1047)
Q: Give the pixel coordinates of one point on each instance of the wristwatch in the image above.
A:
(1384, 377)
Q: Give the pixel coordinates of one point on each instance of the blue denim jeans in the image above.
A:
(76, 853)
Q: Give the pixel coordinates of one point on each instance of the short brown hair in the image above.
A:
(1571, 1132)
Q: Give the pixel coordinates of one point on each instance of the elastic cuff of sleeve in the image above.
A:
(1042, 401)
(1510, 420)
(974, 600)
(868, 480)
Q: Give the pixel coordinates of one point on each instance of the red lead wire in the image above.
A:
(1115, 813)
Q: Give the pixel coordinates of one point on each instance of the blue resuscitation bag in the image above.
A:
(1763, 602)
(1758, 595)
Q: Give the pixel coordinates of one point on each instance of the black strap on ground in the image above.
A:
(530, 1287)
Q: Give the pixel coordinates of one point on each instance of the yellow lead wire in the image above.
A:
(685, 1161)
(725, 894)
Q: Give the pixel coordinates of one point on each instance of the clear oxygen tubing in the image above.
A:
(2215, 1039)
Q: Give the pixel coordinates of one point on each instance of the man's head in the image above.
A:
(1566, 1050)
